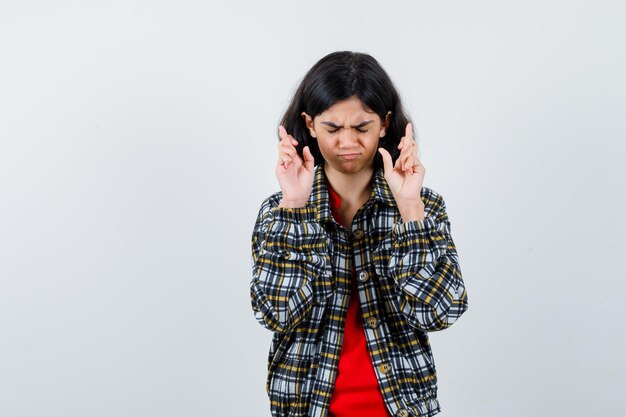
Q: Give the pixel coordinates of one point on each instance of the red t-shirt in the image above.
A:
(356, 392)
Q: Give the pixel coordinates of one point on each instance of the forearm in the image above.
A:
(290, 265)
(425, 266)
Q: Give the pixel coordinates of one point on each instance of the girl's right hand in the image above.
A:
(294, 175)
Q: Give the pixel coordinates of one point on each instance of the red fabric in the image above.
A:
(356, 392)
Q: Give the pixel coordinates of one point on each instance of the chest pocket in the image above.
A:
(381, 254)
(324, 285)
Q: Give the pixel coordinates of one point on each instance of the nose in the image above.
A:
(348, 138)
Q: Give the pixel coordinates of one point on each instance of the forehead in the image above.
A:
(348, 109)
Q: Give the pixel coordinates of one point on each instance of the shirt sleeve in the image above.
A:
(291, 266)
(425, 266)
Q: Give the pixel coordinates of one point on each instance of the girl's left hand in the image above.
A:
(407, 176)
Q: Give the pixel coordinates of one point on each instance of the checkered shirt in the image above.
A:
(409, 283)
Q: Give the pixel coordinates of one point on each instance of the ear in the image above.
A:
(385, 124)
(308, 121)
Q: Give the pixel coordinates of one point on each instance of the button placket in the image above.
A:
(384, 367)
(363, 276)
(403, 412)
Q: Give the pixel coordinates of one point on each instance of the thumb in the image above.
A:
(309, 161)
(387, 163)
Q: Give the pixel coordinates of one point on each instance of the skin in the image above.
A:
(348, 127)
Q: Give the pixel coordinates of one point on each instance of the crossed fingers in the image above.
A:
(408, 159)
(287, 154)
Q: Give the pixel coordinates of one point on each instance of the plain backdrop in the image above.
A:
(139, 138)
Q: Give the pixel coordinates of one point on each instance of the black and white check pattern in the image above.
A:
(409, 283)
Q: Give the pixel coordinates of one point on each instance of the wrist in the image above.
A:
(411, 210)
(292, 203)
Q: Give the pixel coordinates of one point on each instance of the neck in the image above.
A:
(353, 188)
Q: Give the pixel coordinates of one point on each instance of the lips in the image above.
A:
(349, 155)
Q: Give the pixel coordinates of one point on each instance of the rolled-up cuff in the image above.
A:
(293, 214)
(403, 231)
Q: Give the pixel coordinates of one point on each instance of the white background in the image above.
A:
(138, 140)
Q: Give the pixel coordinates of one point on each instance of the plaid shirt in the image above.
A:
(409, 283)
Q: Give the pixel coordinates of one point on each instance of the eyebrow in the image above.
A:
(331, 124)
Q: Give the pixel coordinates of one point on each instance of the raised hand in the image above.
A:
(407, 176)
(295, 176)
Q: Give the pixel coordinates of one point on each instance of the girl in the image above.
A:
(353, 261)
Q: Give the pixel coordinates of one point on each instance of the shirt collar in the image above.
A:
(320, 197)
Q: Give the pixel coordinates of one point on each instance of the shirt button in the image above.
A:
(363, 276)
(384, 367)
(358, 233)
(402, 413)
(372, 322)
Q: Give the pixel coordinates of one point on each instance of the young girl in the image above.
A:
(353, 261)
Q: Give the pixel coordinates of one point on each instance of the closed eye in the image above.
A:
(337, 130)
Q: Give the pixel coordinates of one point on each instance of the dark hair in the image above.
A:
(342, 75)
